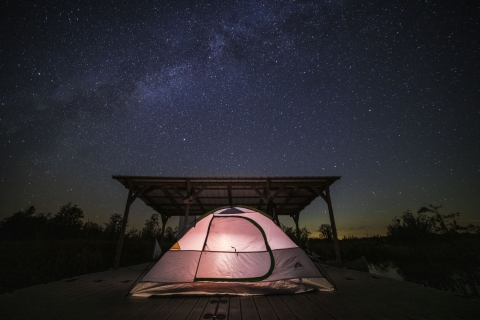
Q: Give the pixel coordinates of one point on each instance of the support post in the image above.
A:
(338, 258)
(164, 223)
(130, 200)
(187, 206)
(187, 212)
(296, 217)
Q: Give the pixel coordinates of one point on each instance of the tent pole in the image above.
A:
(338, 257)
(130, 200)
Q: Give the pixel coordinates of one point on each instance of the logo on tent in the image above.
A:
(298, 265)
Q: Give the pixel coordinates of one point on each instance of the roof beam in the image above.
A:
(172, 200)
(173, 194)
(230, 196)
(290, 195)
(194, 196)
(262, 197)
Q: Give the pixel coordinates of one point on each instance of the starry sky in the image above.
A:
(385, 94)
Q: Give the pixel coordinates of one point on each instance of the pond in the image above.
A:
(459, 279)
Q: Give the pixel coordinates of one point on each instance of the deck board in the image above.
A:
(223, 306)
(249, 309)
(234, 310)
(264, 308)
(197, 310)
(298, 310)
(363, 298)
(315, 310)
(184, 309)
(280, 308)
(168, 309)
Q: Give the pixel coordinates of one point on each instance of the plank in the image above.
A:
(184, 309)
(265, 310)
(280, 308)
(223, 306)
(333, 304)
(197, 310)
(313, 308)
(167, 309)
(234, 311)
(91, 301)
(299, 311)
(151, 308)
(129, 308)
(249, 310)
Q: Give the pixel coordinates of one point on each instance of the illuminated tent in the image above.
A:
(233, 251)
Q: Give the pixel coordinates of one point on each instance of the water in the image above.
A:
(444, 276)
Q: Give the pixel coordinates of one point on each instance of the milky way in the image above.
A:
(384, 94)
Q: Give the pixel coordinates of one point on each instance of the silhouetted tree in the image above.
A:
(133, 233)
(23, 225)
(67, 222)
(151, 230)
(291, 232)
(411, 228)
(113, 226)
(326, 232)
(93, 230)
(170, 234)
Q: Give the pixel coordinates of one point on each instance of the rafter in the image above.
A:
(290, 194)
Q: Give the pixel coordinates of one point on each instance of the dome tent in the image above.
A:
(236, 251)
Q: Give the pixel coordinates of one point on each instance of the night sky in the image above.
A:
(385, 94)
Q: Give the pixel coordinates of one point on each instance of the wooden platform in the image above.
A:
(360, 296)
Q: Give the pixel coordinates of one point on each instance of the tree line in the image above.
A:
(424, 225)
(68, 223)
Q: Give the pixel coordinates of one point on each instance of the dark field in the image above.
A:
(445, 263)
(27, 263)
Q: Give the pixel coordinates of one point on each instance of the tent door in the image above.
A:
(235, 249)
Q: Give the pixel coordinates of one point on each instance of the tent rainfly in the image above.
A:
(234, 250)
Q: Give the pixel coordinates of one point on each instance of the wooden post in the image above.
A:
(164, 223)
(187, 206)
(338, 257)
(295, 217)
(187, 212)
(130, 200)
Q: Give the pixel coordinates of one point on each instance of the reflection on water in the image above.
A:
(463, 279)
(386, 269)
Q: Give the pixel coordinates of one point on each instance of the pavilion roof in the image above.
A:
(169, 195)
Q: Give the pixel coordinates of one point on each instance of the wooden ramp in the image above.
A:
(360, 296)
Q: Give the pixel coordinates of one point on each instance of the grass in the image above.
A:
(27, 263)
(443, 263)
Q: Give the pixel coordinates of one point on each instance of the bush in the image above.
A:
(26, 263)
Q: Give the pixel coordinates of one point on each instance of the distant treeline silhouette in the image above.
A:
(68, 223)
(411, 228)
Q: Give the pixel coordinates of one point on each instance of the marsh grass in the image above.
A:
(443, 262)
(27, 263)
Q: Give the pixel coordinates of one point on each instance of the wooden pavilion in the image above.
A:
(186, 197)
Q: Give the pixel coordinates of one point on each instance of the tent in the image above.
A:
(238, 251)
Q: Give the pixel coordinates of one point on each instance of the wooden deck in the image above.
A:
(360, 296)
